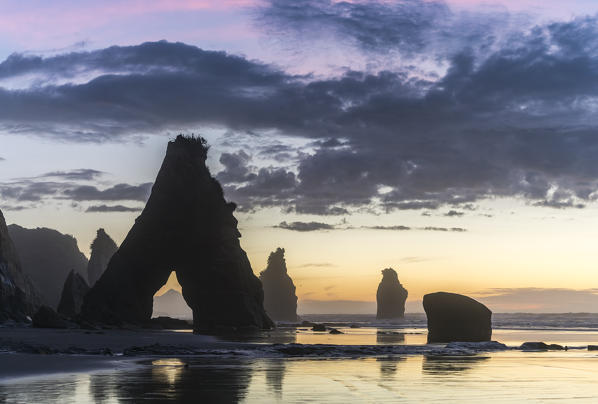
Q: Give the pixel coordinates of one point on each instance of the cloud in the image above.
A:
(317, 226)
(82, 174)
(2, 159)
(305, 226)
(540, 300)
(37, 190)
(454, 213)
(453, 229)
(496, 121)
(409, 27)
(398, 227)
(119, 192)
(316, 265)
(560, 204)
(114, 208)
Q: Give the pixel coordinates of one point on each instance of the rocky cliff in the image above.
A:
(280, 300)
(391, 296)
(18, 297)
(102, 249)
(186, 226)
(74, 290)
(47, 256)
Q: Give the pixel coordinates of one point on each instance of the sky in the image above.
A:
(453, 141)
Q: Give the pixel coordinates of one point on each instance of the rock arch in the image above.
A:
(186, 226)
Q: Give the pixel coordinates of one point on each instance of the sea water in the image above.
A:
(442, 375)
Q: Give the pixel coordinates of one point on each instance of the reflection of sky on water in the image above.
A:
(509, 375)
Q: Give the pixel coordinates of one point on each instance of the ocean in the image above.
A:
(371, 362)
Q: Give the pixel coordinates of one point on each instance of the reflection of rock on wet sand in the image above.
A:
(388, 365)
(275, 370)
(176, 380)
(389, 337)
(450, 364)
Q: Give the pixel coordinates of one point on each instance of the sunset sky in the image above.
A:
(456, 142)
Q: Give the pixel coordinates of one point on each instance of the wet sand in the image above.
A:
(19, 366)
(114, 340)
(399, 366)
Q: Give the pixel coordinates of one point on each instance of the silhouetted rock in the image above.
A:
(540, 346)
(391, 296)
(280, 300)
(318, 327)
(335, 331)
(592, 347)
(47, 257)
(171, 304)
(46, 317)
(102, 249)
(188, 227)
(453, 317)
(18, 297)
(75, 289)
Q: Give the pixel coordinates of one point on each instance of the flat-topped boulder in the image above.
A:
(453, 317)
(187, 227)
(391, 296)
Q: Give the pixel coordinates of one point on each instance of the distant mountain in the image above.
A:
(47, 257)
(171, 304)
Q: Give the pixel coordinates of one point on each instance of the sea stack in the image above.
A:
(102, 249)
(453, 317)
(74, 290)
(18, 297)
(391, 296)
(186, 227)
(47, 256)
(280, 300)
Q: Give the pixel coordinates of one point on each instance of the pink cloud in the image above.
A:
(40, 20)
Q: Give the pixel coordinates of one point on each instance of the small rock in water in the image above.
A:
(592, 347)
(482, 346)
(319, 327)
(540, 346)
(335, 331)
(355, 326)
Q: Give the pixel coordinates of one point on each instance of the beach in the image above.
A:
(382, 363)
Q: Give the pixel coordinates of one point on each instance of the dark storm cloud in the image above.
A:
(36, 190)
(371, 25)
(408, 27)
(110, 209)
(517, 121)
(119, 192)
